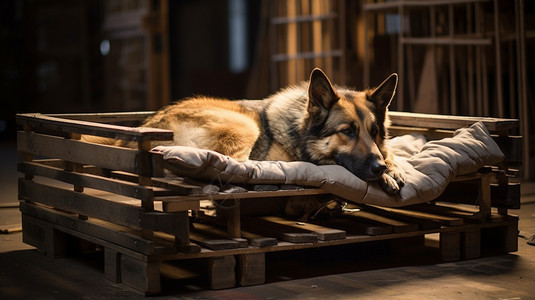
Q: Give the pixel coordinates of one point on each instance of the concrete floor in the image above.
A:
(350, 272)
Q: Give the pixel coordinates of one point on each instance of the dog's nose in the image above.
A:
(378, 168)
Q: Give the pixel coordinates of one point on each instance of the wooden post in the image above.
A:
(234, 221)
(76, 167)
(182, 236)
(147, 204)
(484, 196)
(27, 156)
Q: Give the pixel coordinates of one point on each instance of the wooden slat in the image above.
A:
(87, 180)
(172, 204)
(214, 238)
(423, 223)
(104, 231)
(249, 195)
(323, 233)
(108, 118)
(356, 226)
(454, 211)
(279, 231)
(443, 220)
(104, 156)
(254, 239)
(93, 128)
(80, 203)
(449, 122)
(397, 226)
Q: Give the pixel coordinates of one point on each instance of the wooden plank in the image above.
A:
(120, 236)
(449, 211)
(443, 220)
(81, 203)
(91, 128)
(353, 225)
(423, 223)
(108, 118)
(278, 231)
(87, 180)
(377, 218)
(251, 195)
(172, 204)
(104, 156)
(449, 122)
(215, 238)
(257, 240)
(323, 233)
(254, 239)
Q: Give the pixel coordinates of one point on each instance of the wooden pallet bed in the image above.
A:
(120, 201)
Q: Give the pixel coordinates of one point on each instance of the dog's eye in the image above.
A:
(347, 131)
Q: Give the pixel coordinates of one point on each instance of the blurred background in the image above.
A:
(458, 57)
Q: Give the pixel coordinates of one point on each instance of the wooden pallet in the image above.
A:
(119, 201)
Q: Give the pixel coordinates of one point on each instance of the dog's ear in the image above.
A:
(384, 93)
(321, 94)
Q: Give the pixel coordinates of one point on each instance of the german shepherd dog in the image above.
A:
(314, 121)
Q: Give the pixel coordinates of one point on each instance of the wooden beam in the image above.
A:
(36, 120)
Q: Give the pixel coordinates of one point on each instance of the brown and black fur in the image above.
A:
(314, 122)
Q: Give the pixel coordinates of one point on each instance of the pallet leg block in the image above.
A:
(450, 246)
(112, 265)
(471, 244)
(407, 246)
(501, 238)
(221, 272)
(251, 269)
(43, 236)
(140, 275)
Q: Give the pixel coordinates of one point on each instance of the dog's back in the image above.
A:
(208, 123)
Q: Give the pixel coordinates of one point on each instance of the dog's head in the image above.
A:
(347, 127)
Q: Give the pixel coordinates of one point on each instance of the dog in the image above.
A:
(314, 121)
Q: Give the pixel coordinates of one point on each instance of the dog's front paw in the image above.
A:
(392, 180)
